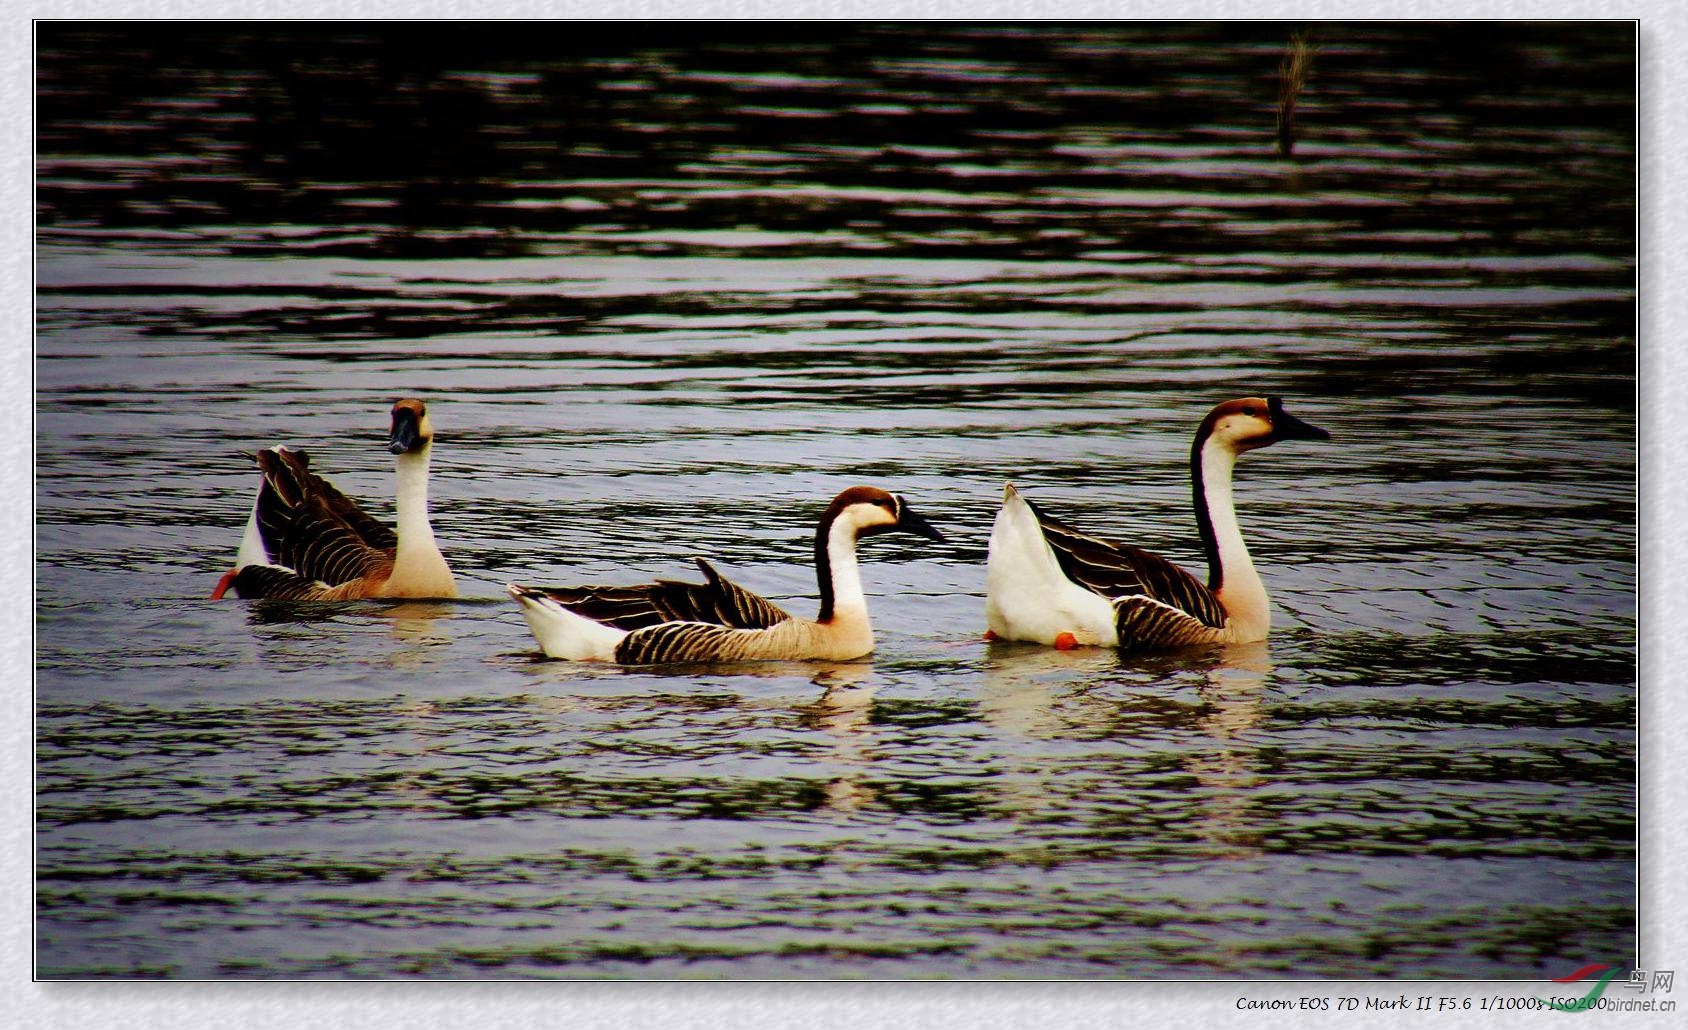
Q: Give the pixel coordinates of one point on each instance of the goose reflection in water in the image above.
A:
(418, 628)
(1049, 694)
(1228, 768)
(844, 714)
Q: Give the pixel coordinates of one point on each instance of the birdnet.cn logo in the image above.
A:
(1601, 975)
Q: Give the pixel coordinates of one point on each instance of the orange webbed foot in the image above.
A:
(1065, 641)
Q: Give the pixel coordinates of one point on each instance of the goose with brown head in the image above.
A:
(717, 621)
(1049, 583)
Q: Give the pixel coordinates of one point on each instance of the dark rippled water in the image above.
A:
(666, 290)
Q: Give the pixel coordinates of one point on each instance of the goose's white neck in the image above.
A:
(1232, 573)
(414, 527)
(846, 576)
(843, 629)
(418, 559)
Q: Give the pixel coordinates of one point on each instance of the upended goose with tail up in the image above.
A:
(1051, 584)
(717, 621)
(307, 541)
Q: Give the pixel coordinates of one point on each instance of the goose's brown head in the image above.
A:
(1250, 422)
(872, 511)
(412, 431)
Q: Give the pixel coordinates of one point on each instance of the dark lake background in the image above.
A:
(668, 287)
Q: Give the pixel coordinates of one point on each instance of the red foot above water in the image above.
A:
(223, 584)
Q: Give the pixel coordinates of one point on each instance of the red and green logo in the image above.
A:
(1589, 1000)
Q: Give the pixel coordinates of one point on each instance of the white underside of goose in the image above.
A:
(561, 633)
(1028, 596)
(252, 550)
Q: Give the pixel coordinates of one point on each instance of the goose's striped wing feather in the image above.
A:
(715, 602)
(1117, 570)
(278, 584)
(1145, 624)
(312, 528)
(674, 642)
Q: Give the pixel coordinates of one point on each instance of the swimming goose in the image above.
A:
(1049, 583)
(717, 620)
(306, 541)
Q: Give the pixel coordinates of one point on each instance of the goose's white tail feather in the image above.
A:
(1028, 596)
(563, 634)
(252, 551)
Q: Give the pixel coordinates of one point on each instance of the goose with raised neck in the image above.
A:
(1051, 584)
(307, 541)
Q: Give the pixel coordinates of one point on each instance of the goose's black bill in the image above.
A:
(911, 521)
(406, 432)
(1287, 427)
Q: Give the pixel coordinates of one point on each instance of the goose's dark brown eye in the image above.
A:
(1251, 410)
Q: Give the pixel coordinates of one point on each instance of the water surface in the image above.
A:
(666, 291)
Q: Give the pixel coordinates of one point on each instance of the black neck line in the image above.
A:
(1204, 517)
(823, 563)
